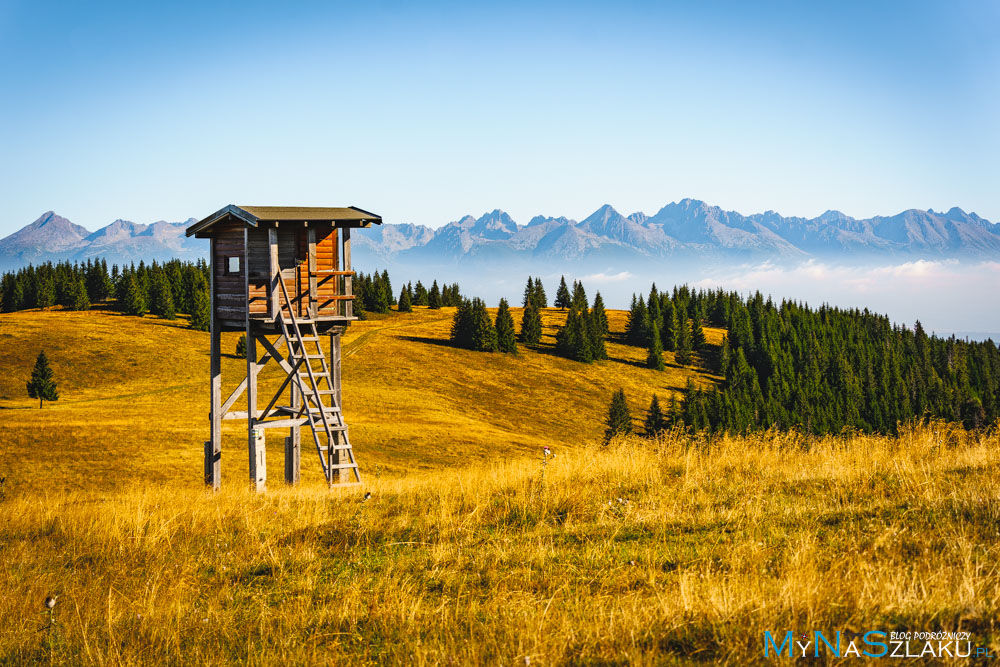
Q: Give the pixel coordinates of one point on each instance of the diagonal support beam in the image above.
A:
(272, 352)
(281, 389)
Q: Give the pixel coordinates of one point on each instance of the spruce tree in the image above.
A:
(697, 334)
(81, 301)
(599, 315)
(135, 297)
(541, 300)
(654, 355)
(619, 420)
(200, 310)
(462, 325)
(484, 334)
(42, 384)
(637, 327)
(241, 347)
(655, 421)
(529, 293)
(653, 307)
(595, 337)
(45, 292)
(419, 294)
(161, 297)
(579, 298)
(682, 337)
(563, 298)
(434, 296)
(506, 338)
(667, 330)
(404, 302)
(531, 325)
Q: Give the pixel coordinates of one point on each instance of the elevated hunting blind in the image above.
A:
(284, 272)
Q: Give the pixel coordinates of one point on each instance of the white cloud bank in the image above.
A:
(946, 295)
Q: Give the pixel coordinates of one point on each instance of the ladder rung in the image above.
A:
(325, 392)
(315, 374)
(311, 339)
(342, 448)
(327, 409)
(342, 466)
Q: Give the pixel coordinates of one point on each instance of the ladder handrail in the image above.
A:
(312, 381)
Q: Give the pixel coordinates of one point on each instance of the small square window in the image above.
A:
(232, 265)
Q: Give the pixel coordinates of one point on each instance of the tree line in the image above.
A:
(373, 293)
(164, 289)
(822, 370)
(672, 322)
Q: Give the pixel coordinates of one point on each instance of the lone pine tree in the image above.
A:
(42, 384)
(506, 338)
(241, 347)
(619, 421)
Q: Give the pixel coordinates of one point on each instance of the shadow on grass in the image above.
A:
(441, 342)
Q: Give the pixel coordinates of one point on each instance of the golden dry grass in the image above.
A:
(134, 398)
(644, 552)
(470, 551)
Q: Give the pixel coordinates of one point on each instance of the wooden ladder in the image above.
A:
(319, 405)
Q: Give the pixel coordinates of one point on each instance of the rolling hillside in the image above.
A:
(134, 397)
(472, 548)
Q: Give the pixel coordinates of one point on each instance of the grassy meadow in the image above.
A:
(472, 549)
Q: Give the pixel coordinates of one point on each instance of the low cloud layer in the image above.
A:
(946, 296)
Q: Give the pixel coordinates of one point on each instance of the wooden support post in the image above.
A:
(272, 244)
(311, 240)
(348, 290)
(213, 448)
(255, 444)
(293, 443)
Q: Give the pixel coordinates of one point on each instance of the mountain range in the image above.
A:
(52, 238)
(688, 229)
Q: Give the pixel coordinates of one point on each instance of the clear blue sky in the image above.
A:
(423, 113)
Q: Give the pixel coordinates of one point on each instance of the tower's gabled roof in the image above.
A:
(351, 216)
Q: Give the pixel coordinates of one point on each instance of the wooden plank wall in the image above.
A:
(327, 259)
(230, 297)
(260, 260)
(293, 244)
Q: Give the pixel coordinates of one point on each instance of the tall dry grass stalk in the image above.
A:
(685, 548)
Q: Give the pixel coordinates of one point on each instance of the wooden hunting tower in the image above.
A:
(285, 272)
